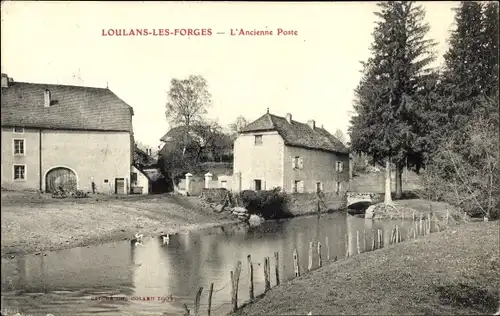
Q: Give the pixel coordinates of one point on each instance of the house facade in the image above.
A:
(276, 151)
(61, 136)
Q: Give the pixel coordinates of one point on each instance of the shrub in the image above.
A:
(79, 194)
(268, 204)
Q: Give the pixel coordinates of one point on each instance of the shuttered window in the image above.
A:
(297, 163)
(339, 166)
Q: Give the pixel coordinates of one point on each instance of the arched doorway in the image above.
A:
(60, 177)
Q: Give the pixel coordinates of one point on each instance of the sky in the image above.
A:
(311, 73)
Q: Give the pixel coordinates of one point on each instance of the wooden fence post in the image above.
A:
(186, 310)
(210, 292)
(277, 267)
(364, 240)
(296, 267)
(357, 242)
(414, 216)
(320, 263)
(379, 239)
(309, 266)
(346, 246)
(250, 276)
(267, 282)
(415, 231)
(197, 302)
(373, 240)
(235, 278)
(421, 223)
(327, 242)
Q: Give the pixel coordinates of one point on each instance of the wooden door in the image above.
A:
(119, 186)
(60, 178)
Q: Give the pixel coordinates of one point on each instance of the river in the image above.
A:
(68, 282)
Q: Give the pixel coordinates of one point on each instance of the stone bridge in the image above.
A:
(355, 199)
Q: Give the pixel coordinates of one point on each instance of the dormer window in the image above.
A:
(46, 97)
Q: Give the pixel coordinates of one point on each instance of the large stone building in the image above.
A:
(276, 151)
(70, 137)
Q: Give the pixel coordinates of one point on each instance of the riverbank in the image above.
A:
(34, 223)
(456, 271)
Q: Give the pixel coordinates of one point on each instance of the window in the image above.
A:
(18, 130)
(258, 140)
(339, 166)
(19, 147)
(19, 172)
(133, 177)
(257, 185)
(297, 163)
(338, 187)
(298, 186)
(106, 181)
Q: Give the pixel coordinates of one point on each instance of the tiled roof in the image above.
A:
(142, 160)
(297, 134)
(72, 107)
(177, 132)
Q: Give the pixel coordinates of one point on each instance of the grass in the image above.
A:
(454, 272)
(33, 223)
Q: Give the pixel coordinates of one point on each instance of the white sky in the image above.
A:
(312, 75)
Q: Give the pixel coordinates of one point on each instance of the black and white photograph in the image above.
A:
(217, 158)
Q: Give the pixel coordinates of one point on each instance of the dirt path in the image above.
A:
(449, 273)
(33, 224)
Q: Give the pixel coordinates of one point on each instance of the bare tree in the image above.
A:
(188, 101)
(238, 124)
(341, 137)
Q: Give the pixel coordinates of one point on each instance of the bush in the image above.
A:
(79, 194)
(268, 204)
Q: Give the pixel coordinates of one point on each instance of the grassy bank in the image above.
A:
(35, 223)
(456, 271)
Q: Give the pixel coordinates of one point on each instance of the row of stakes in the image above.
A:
(420, 227)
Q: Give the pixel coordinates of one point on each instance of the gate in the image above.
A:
(60, 178)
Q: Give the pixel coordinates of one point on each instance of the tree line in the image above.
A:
(440, 121)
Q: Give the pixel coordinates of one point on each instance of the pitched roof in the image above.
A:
(178, 132)
(297, 134)
(142, 160)
(72, 107)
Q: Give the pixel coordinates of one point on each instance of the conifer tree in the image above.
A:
(385, 126)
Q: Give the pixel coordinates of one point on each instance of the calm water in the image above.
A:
(65, 282)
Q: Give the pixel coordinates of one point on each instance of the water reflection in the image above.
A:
(65, 281)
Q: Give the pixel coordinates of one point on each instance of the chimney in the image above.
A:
(46, 98)
(289, 118)
(312, 124)
(5, 81)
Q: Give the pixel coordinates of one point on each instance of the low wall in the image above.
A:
(215, 195)
(307, 203)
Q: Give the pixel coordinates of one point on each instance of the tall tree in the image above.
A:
(470, 75)
(384, 126)
(188, 101)
(490, 31)
(462, 76)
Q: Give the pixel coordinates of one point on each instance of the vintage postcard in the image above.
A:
(249, 158)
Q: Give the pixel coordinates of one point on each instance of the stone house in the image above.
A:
(276, 151)
(62, 136)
